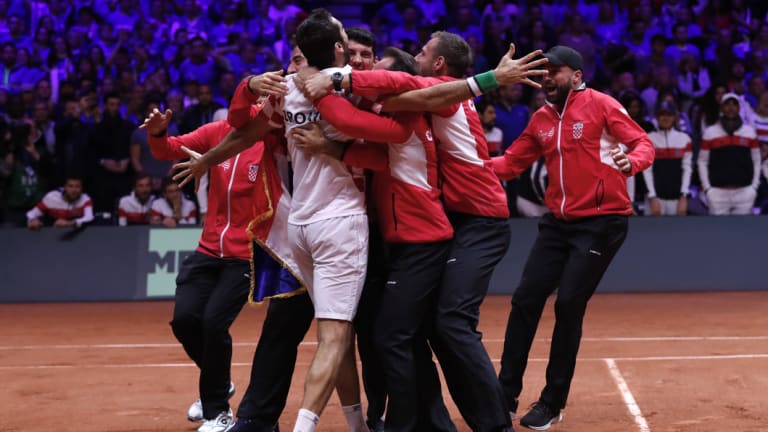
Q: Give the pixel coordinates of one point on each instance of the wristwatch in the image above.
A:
(336, 79)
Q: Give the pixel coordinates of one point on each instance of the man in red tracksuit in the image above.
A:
(213, 283)
(578, 132)
(406, 198)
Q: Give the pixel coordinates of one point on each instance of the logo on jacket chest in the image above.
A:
(253, 173)
(545, 136)
(578, 130)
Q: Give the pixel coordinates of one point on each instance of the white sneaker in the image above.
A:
(195, 411)
(221, 423)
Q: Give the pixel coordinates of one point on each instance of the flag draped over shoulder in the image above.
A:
(273, 271)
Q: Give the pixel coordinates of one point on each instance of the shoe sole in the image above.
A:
(554, 420)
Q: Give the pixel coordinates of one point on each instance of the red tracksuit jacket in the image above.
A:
(583, 179)
(467, 180)
(230, 189)
(405, 192)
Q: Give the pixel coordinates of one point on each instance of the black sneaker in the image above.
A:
(375, 425)
(251, 425)
(541, 417)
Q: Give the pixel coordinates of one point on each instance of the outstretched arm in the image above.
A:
(233, 143)
(508, 71)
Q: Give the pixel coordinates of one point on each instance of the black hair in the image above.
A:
(362, 36)
(456, 52)
(403, 61)
(111, 95)
(481, 104)
(317, 37)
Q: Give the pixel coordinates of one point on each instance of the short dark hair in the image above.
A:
(317, 36)
(482, 104)
(456, 52)
(403, 61)
(111, 95)
(362, 36)
(141, 175)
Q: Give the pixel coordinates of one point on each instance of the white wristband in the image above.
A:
(474, 88)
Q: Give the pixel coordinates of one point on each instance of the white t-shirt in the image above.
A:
(323, 187)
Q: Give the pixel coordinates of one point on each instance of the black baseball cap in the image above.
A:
(561, 55)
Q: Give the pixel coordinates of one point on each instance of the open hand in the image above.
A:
(510, 71)
(194, 168)
(157, 122)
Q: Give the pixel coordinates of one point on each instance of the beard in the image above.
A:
(556, 94)
(346, 52)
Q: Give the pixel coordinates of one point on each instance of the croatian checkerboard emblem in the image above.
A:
(253, 170)
(578, 130)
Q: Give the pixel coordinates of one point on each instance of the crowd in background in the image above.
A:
(79, 76)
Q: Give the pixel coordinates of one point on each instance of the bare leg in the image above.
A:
(334, 343)
(348, 382)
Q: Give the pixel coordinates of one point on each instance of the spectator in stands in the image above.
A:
(577, 36)
(73, 141)
(24, 162)
(8, 60)
(760, 123)
(200, 113)
(17, 32)
(193, 20)
(669, 178)
(45, 127)
(511, 114)
(110, 171)
(200, 66)
(135, 208)
(408, 28)
(493, 135)
(433, 11)
(173, 208)
(26, 73)
(692, 80)
(66, 207)
(465, 24)
(729, 162)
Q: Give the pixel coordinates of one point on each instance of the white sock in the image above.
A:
(306, 421)
(355, 419)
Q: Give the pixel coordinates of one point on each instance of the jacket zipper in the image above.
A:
(599, 194)
(560, 152)
(229, 207)
(394, 213)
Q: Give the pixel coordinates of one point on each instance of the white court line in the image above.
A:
(626, 394)
(536, 360)
(313, 343)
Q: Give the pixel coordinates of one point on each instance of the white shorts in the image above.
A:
(332, 256)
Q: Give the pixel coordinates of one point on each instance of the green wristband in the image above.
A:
(486, 81)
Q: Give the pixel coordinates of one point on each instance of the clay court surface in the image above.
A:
(648, 362)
